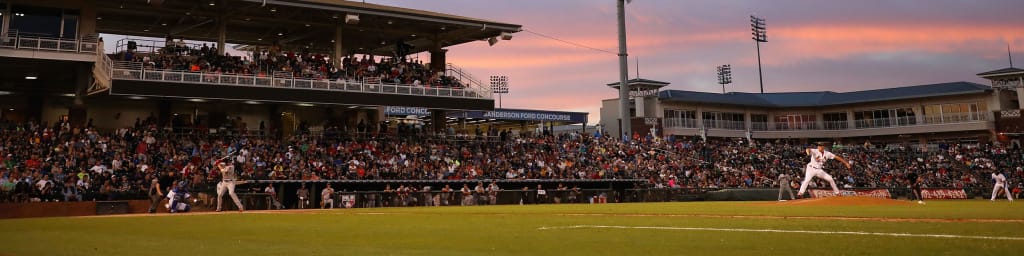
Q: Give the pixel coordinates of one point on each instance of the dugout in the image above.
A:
(484, 123)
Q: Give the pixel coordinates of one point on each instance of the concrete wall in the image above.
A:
(610, 115)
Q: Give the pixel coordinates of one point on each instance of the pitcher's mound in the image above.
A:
(847, 200)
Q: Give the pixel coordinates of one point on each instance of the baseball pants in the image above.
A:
(811, 172)
(229, 187)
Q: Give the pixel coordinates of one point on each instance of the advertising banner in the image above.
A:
(943, 193)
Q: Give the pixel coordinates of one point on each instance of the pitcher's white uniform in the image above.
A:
(813, 169)
(1000, 184)
(227, 184)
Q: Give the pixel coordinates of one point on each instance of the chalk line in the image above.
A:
(1010, 238)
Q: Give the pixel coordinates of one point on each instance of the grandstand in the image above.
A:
(925, 114)
(312, 62)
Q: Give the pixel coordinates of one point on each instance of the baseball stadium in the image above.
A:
(335, 127)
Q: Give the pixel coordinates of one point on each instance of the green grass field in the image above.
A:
(697, 228)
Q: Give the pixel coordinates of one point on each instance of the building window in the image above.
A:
(759, 122)
(795, 122)
(885, 117)
(835, 121)
(43, 21)
(724, 120)
(675, 118)
(955, 113)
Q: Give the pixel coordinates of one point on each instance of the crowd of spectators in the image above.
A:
(273, 61)
(58, 163)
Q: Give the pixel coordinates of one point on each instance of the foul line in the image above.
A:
(790, 231)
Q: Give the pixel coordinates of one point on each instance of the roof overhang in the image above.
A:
(298, 24)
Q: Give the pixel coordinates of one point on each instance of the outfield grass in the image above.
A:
(514, 230)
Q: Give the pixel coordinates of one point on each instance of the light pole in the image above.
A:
(624, 128)
(499, 86)
(760, 35)
(724, 75)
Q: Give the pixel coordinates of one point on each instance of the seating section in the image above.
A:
(58, 163)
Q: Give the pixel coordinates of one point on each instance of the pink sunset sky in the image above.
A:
(812, 45)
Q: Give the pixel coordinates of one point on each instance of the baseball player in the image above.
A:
(1000, 181)
(303, 194)
(818, 157)
(327, 197)
(784, 181)
(227, 184)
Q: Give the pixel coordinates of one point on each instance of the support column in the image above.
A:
(438, 61)
(851, 123)
(222, 30)
(274, 120)
(338, 54)
(163, 116)
(748, 124)
(1020, 97)
(919, 114)
(819, 120)
(7, 20)
(86, 20)
(77, 114)
(640, 107)
(439, 118)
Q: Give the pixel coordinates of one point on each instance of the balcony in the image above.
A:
(796, 126)
(835, 125)
(130, 79)
(972, 121)
(134, 72)
(28, 46)
(759, 126)
(956, 118)
(680, 123)
(885, 122)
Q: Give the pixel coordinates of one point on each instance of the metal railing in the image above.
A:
(885, 122)
(154, 46)
(795, 126)
(759, 126)
(468, 80)
(102, 72)
(956, 118)
(967, 117)
(835, 125)
(725, 125)
(15, 40)
(680, 123)
(135, 71)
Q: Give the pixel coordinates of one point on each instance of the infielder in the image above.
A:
(784, 181)
(227, 184)
(818, 158)
(1000, 184)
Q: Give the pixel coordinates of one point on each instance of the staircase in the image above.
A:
(101, 72)
(467, 79)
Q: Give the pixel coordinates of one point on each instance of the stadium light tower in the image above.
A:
(724, 75)
(624, 129)
(760, 35)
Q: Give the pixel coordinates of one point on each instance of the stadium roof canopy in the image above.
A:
(827, 98)
(1002, 72)
(294, 23)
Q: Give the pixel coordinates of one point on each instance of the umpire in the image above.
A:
(915, 185)
(784, 185)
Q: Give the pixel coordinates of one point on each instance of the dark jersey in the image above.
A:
(912, 179)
